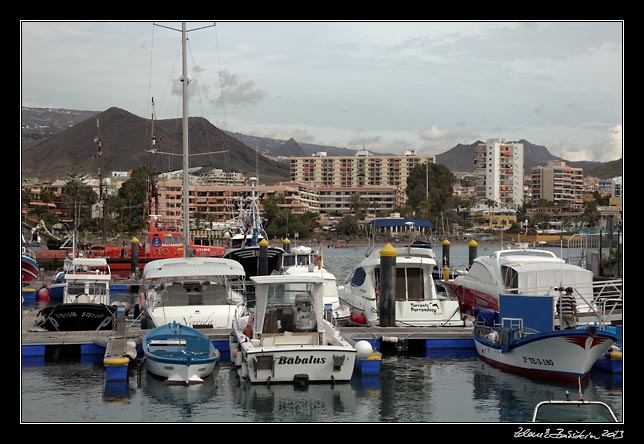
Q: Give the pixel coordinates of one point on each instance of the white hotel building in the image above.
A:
(499, 169)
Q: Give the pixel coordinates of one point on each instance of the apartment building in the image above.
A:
(365, 169)
(499, 169)
(339, 200)
(218, 202)
(559, 183)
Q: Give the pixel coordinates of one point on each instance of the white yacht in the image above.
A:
(520, 271)
(201, 292)
(417, 301)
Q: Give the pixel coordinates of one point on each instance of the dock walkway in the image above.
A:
(31, 337)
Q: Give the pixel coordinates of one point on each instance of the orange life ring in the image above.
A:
(165, 251)
(157, 251)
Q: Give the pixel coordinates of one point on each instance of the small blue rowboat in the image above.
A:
(179, 354)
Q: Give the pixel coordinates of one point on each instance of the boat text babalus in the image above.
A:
(297, 360)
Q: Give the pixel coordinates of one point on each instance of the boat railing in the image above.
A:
(609, 307)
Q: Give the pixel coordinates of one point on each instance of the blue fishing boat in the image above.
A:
(179, 354)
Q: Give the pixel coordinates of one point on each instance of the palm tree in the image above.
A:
(357, 203)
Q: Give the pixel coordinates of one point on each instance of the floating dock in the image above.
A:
(35, 343)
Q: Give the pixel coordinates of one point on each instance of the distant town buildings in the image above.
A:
(499, 170)
(559, 183)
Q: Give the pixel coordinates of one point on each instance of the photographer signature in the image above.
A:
(560, 433)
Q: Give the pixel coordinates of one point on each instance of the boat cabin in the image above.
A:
(195, 292)
(287, 309)
(87, 280)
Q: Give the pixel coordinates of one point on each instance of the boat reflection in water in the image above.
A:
(290, 403)
(184, 400)
(517, 395)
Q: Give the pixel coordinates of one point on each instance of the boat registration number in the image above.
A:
(538, 361)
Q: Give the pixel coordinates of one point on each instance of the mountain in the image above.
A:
(606, 170)
(290, 148)
(270, 146)
(54, 139)
(125, 138)
(461, 158)
(39, 124)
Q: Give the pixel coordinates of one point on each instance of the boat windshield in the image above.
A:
(290, 307)
(567, 411)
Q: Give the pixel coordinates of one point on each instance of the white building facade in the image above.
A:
(499, 171)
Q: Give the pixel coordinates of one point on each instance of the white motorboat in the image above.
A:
(196, 291)
(86, 299)
(523, 271)
(417, 301)
(285, 337)
(303, 260)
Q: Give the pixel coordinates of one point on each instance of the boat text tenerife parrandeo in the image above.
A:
(200, 292)
(86, 299)
(417, 301)
(179, 354)
(285, 337)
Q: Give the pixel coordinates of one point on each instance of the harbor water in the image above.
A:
(411, 388)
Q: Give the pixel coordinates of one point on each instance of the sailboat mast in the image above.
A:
(186, 162)
(152, 206)
(102, 194)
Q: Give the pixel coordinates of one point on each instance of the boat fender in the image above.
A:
(248, 329)
(591, 330)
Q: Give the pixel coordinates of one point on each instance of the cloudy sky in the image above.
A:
(384, 86)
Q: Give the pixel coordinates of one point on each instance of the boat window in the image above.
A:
(510, 278)
(215, 295)
(288, 261)
(573, 412)
(481, 273)
(289, 308)
(358, 277)
(303, 260)
(415, 284)
(409, 284)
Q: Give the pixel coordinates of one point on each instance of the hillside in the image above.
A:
(290, 148)
(125, 137)
(606, 170)
(270, 146)
(54, 140)
(38, 124)
(461, 158)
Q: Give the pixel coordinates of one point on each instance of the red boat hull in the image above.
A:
(468, 298)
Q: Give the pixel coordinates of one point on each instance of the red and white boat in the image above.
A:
(522, 339)
(160, 242)
(30, 268)
(519, 271)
